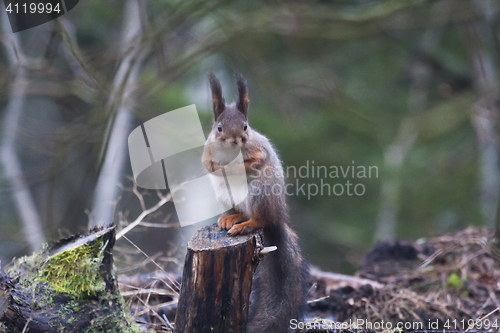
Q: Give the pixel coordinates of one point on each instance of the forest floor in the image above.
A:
(448, 282)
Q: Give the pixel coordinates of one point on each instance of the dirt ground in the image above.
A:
(449, 282)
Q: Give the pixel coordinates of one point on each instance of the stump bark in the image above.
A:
(217, 281)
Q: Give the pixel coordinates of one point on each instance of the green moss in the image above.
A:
(453, 281)
(75, 272)
(28, 267)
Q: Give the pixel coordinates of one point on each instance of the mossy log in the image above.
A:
(69, 287)
(217, 281)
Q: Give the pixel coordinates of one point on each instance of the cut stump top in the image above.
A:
(212, 238)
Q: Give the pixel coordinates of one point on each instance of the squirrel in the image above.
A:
(280, 281)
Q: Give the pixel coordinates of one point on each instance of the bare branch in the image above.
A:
(141, 216)
(75, 57)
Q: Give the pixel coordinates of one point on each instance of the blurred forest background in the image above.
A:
(410, 87)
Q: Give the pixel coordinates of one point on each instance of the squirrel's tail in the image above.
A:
(280, 283)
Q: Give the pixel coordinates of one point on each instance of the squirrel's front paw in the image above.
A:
(226, 222)
(239, 229)
(245, 227)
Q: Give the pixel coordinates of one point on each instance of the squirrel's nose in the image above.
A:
(232, 141)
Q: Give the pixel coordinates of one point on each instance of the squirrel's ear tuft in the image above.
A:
(242, 103)
(218, 103)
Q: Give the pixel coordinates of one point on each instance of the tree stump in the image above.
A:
(217, 281)
(69, 287)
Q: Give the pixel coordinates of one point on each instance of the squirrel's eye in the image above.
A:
(245, 127)
(219, 128)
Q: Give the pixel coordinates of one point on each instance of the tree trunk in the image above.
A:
(216, 282)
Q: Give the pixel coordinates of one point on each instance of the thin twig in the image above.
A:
(141, 216)
(174, 283)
